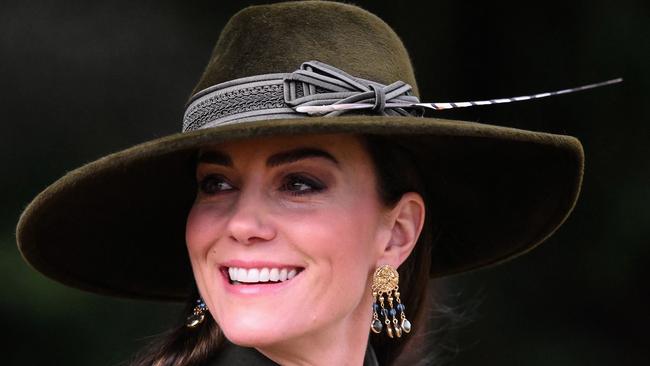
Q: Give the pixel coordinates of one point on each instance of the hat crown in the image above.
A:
(278, 38)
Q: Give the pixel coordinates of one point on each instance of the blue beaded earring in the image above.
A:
(385, 282)
(198, 314)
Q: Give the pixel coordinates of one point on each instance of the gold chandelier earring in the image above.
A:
(385, 284)
(198, 314)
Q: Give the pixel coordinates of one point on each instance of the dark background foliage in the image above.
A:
(82, 79)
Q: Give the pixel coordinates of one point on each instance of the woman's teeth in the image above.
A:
(256, 275)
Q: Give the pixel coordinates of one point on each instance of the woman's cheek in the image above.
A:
(201, 228)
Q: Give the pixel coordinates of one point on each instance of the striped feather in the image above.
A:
(321, 109)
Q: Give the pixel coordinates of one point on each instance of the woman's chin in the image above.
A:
(256, 330)
(255, 339)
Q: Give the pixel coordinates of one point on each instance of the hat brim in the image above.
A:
(116, 226)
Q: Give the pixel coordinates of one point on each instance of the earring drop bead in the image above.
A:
(398, 331)
(376, 326)
(406, 325)
(194, 320)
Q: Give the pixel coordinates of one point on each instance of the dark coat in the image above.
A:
(233, 355)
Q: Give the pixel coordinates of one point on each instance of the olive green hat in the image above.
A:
(117, 225)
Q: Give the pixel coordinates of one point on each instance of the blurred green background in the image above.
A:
(82, 79)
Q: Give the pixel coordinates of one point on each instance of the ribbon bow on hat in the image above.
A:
(318, 84)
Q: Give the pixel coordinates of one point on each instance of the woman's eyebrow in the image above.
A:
(215, 157)
(291, 156)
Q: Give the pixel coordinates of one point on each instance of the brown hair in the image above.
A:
(396, 175)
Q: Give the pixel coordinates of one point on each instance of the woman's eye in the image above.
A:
(299, 184)
(213, 184)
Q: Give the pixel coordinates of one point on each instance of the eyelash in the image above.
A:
(290, 180)
(292, 184)
(208, 183)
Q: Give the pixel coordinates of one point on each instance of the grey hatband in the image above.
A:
(273, 96)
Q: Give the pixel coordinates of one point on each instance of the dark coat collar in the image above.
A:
(233, 355)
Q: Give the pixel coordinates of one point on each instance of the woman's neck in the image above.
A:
(343, 343)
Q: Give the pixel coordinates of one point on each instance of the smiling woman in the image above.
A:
(296, 223)
(298, 239)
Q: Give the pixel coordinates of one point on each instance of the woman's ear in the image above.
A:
(406, 220)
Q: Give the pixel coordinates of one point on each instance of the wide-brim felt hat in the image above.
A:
(116, 225)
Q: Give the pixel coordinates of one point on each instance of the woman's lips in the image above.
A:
(247, 278)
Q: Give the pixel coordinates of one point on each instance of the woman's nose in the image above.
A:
(249, 221)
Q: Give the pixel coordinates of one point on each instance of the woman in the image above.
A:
(284, 230)
(282, 222)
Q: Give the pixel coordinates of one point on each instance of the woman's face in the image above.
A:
(284, 236)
